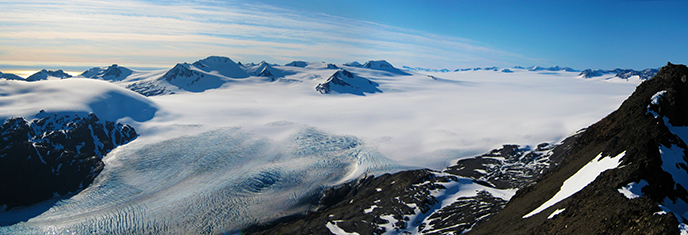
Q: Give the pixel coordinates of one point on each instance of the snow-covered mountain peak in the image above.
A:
(344, 81)
(264, 69)
(222, 65)
(111, 73)
(343, 73)
(46, 74)
(181, 70)
(10, 76)
(377, 64)
(384, 66)
(535, 68)
(354, 64)
(186, 77)
(301, 64)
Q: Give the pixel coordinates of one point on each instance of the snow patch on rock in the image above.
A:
(633, 189)
(584, 176)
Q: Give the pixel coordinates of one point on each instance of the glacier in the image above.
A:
(214, 182)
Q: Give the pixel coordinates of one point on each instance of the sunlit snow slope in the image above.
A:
(255, 149)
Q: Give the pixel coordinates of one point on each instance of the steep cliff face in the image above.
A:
(54, 155)
(640, 190)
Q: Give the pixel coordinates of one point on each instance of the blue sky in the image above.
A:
(433, 34)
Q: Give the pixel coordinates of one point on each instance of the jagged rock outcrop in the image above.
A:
(148, 88)
(642, 191)
(511, 166)
(54, 155)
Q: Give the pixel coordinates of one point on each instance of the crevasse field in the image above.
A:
(254, 150)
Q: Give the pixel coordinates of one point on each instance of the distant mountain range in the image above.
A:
(214, 71)
(588, 73)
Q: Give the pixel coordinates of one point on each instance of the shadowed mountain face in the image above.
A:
(645, 194)
(54, 155)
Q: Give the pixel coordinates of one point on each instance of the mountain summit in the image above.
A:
(384, 66)
(45, 74)
(344, 81)
(222, 65)
(111, 73)
(9, 76)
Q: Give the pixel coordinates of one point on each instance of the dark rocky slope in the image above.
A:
(54, 155)
(414, 201)
(642, 127)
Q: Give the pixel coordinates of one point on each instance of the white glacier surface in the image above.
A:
(214, 182)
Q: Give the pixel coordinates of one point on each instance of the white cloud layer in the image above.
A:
(93, 32)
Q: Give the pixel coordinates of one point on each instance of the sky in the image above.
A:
(76, 35)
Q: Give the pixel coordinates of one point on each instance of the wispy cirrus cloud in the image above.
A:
(158, 34)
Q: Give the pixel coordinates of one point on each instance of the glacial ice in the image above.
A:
(215, 182)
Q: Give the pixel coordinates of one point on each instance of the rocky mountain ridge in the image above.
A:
(54, 155)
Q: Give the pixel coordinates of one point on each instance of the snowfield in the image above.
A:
(259, 148)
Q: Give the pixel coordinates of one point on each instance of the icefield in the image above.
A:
(257, 149)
